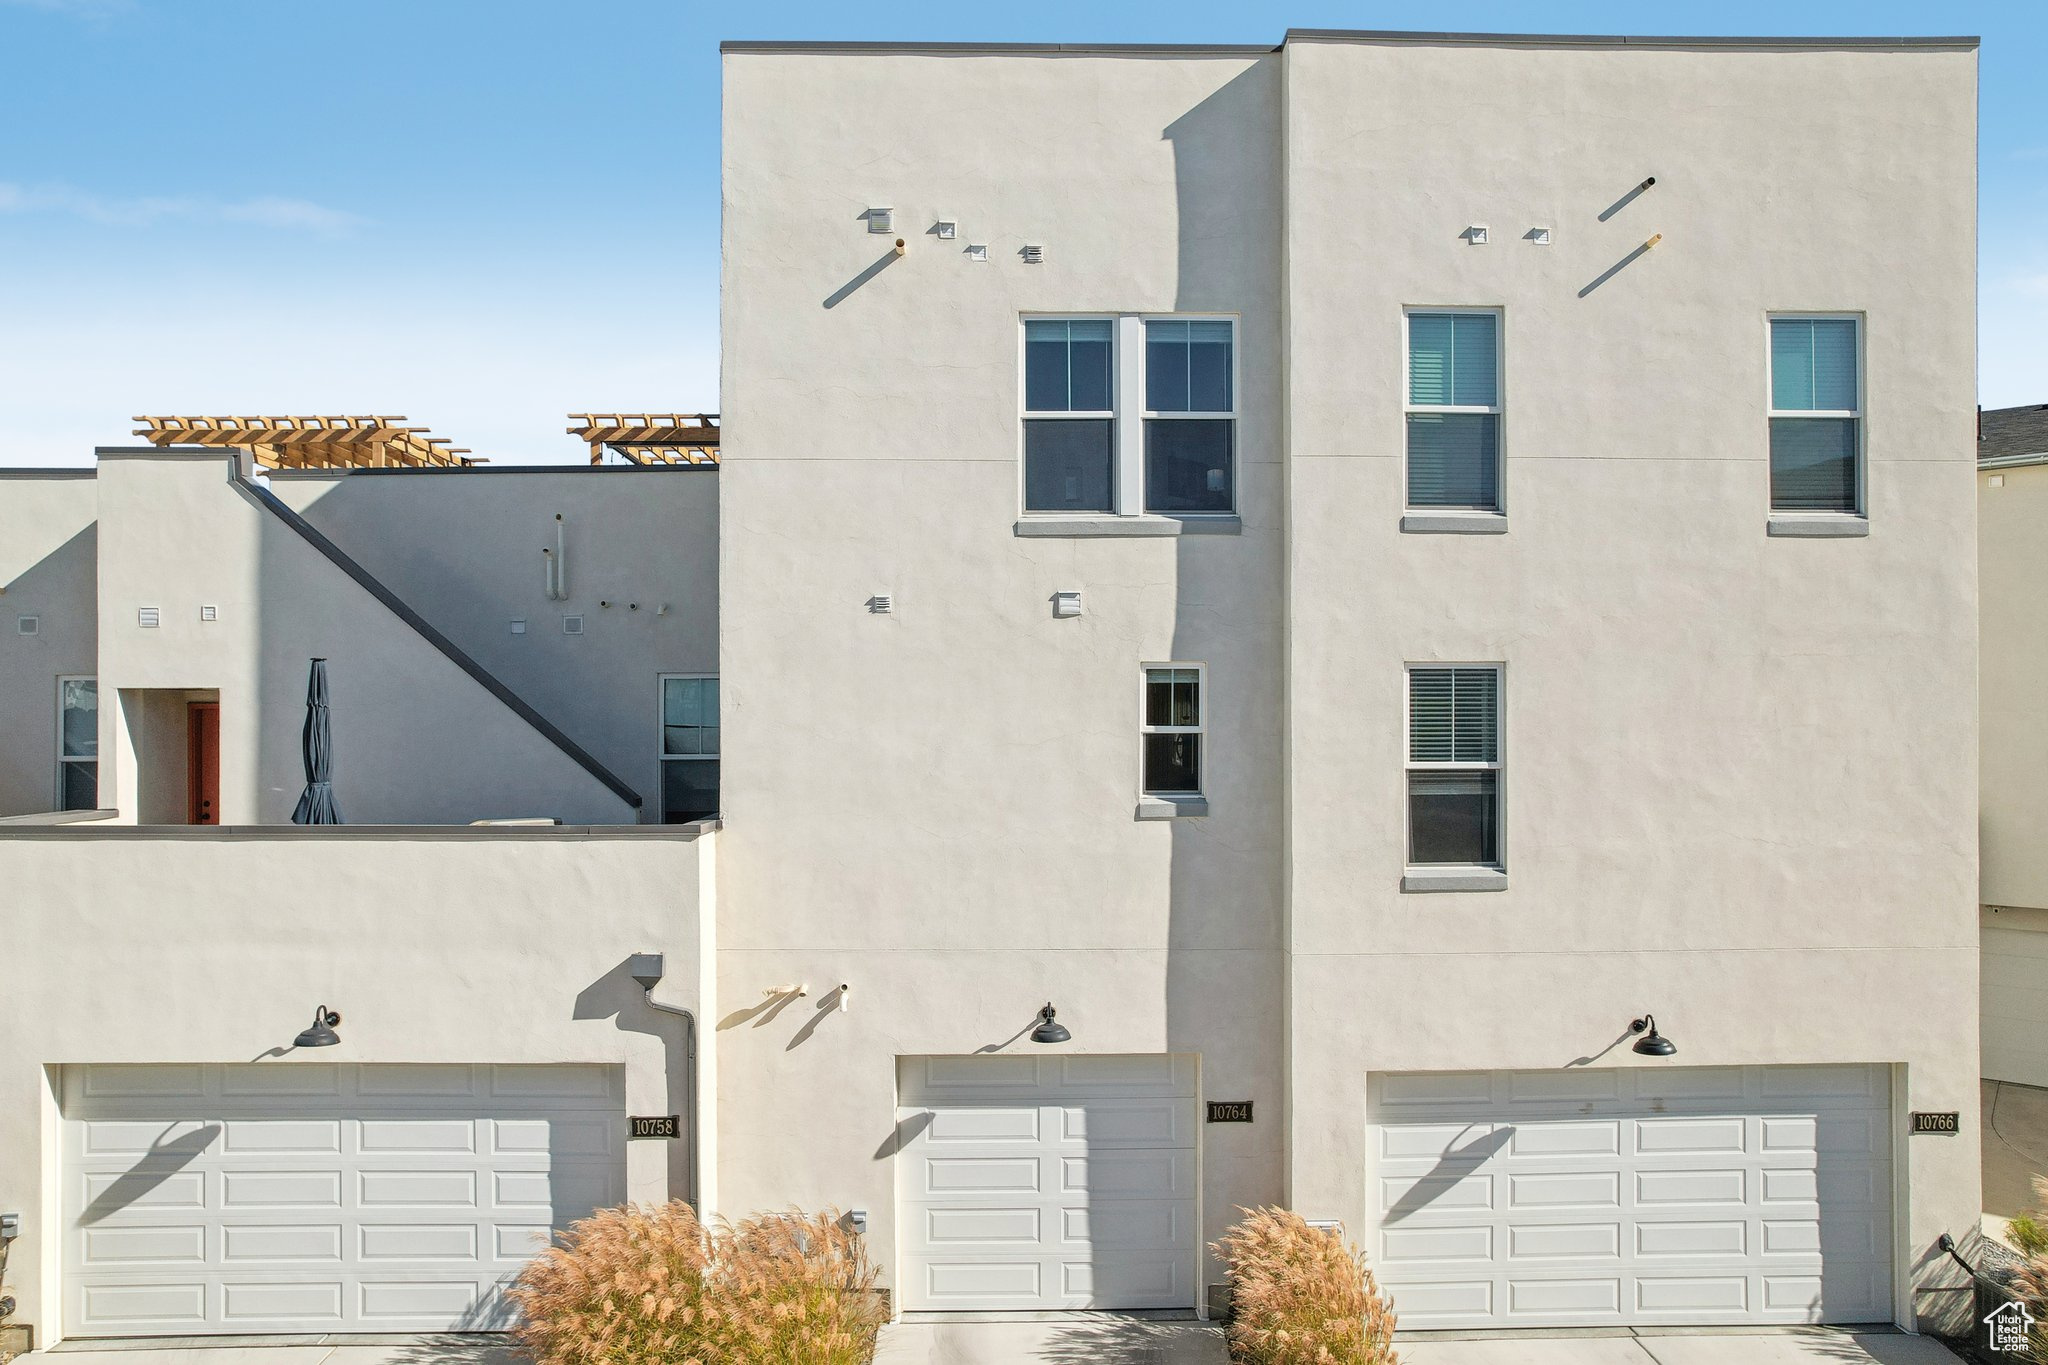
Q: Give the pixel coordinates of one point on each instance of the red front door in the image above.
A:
(202, 762)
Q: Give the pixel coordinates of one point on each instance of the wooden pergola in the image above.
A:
(312, 442)
(650, 437)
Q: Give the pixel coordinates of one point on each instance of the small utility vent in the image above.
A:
(148, 617)
(1033, 255)
(881, 220)
(28, 625)
(209, 613)
(572, 625)
(881, 604)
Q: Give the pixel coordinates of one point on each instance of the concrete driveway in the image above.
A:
(1726, 1347)
(1107, 1340)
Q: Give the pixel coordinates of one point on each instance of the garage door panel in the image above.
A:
(300, 1204)
(1123, 1225)
(1037, 1183)
(1126, 1174)
(1551, 1087)
(1774, 1209)
(272, 1243)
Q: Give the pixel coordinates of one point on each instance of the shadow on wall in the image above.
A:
(1226, 881)
(59, 591)
(618, 997)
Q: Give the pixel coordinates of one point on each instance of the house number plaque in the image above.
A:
(656, 1125)
(1230, 1111)
(1949, 1122)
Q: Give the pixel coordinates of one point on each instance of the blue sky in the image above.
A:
(485, 216)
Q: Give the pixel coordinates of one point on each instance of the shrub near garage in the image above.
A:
(652, 1286)
(1300, 1296)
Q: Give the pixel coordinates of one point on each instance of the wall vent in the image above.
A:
(148, 617)
(881, 604)
(1033, 255)
(28, 625)
(209, 613)
(572, 625)
(881, 220)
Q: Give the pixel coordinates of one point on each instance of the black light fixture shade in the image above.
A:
(322, 1033)
(1049, 1030)
(1652, 1043)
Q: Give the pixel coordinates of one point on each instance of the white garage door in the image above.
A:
(317, 1198)
(1634, 1195)
(1046, 1182)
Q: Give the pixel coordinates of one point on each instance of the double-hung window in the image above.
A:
(689, 748)
(1069, 415)
(1454, 410)
(1172, 730)
(1816, 415)
(1130, 415)
(1454, 765)
(1190, 415)
(78, 744)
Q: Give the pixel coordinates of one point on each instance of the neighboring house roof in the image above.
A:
(2008, 436)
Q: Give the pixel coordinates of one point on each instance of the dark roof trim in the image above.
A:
(396, 605)
(1367, 35)
(61, 471)
(1010, 49)
(1344, 35)
(408, 470)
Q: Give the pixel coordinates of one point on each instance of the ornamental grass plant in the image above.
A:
(1301, 1296)
(650, 1285)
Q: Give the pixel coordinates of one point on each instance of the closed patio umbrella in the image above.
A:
(316, 804)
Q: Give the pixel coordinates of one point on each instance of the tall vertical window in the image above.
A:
(78, 744)
(1454, 765)
(689, 748)
(1816, 415)
(1453, 410)
(1172, 730)
(1069, 415)
(1190, 415)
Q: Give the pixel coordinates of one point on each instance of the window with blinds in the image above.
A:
(1816, 414)
(1190, 415)
(1453, 410)
(1454, 765)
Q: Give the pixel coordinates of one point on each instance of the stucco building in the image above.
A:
(1259, 608)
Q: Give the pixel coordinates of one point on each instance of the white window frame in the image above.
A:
(1116, 392)
(663, 759)
(1498, 409)
(1200, 729)
(1772, 412)
(1128, 419)
(57, 799)
(1498, 767)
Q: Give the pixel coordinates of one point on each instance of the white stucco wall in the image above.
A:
(417, 740)
(2012, 556)
(1741, 771)
(936, 806)
(47, 550)
(215, 945)
(463, 548)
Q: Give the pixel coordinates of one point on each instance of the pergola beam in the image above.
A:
(312, 442)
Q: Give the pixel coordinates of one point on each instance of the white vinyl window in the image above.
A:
(1454, 765)
(78, 744)
(1816, 414)
(1128, 414)
(689, 747)
(1453, 409)
(1170, 723)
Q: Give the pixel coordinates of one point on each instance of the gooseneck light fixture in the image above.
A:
(322, 1033)
(1049, 1030)
(1652, 1043)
